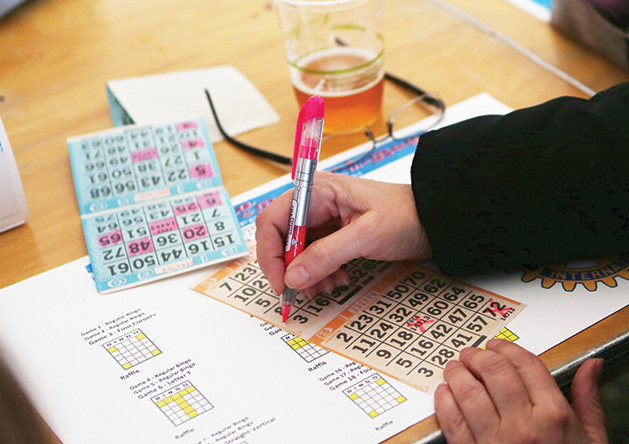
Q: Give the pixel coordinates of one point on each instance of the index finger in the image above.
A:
(271, 228)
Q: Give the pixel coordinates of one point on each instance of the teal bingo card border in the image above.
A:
(152, 203)
(133, 164)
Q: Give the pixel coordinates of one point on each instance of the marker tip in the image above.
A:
(285, 313)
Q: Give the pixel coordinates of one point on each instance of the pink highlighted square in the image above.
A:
(140, 246)
(194, 232)
(108, 239)
(183, 126)
(209, 200)
(163, 226)
(192, 143)
(147, 154)
(185, 208)
(202, 171)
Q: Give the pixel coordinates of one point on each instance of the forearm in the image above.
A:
(540, 185)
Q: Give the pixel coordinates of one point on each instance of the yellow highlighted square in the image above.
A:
(353, 396)
(126, 366)
(193, 414)
(168, 400)
(176, 396)
(507, 334)
(161, 404)
(140, 336)
(112, 349)
(191, 389)
(381, 381)
(156, 352)
(373, 414)
(188, 409)
(400, 399)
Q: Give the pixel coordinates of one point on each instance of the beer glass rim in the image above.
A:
(295, 64)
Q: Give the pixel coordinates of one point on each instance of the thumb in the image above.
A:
(587, 401)
(324, 256)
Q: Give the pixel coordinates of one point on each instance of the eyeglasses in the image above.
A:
(432, 103)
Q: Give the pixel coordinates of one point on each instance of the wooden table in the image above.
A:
(56, 55)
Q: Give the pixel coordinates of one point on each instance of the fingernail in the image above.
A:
(310, 292)
(296, 277)
(441, 387)
(342, 280)
(329, 286)
(466, 351)
(492, 343)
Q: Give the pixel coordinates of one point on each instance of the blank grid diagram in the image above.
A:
(309, 352)
(374, 395)
(182, 403)
(132, 349)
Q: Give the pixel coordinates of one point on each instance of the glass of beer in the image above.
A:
(335, 49)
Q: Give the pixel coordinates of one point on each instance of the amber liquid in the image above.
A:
(352, 98)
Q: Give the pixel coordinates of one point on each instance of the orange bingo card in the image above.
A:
(402, 319)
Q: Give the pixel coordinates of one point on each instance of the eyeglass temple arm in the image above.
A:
(285, 160)
(417, 90)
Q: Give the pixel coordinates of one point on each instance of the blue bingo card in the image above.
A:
(152, 203)
(135, 164)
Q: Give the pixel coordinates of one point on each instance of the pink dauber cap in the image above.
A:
(308, 148)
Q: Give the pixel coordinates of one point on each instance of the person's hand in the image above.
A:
(348, 218)
(505, 394)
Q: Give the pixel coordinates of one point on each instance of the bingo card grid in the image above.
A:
(408, 326)
(182, 403)
(132, 349)
(415, 321)
(242, 285)
(138, 243)
(308, 352)
(123, 166)
(374, 395)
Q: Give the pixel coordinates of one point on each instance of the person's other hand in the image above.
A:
(505, 394)
(349, 218)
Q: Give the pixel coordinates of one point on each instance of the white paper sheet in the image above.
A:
(56, 331)
(180, 95)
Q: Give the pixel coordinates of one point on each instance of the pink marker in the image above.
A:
(305, 157)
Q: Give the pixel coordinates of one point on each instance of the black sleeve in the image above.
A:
(547, 184)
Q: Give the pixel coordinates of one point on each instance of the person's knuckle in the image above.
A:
(523, 432)
(493, 363)
(261, 219)
(365, 227)
(558, 415)
(322, 255)
(529, 360)
(471, 391)
(457, 424)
